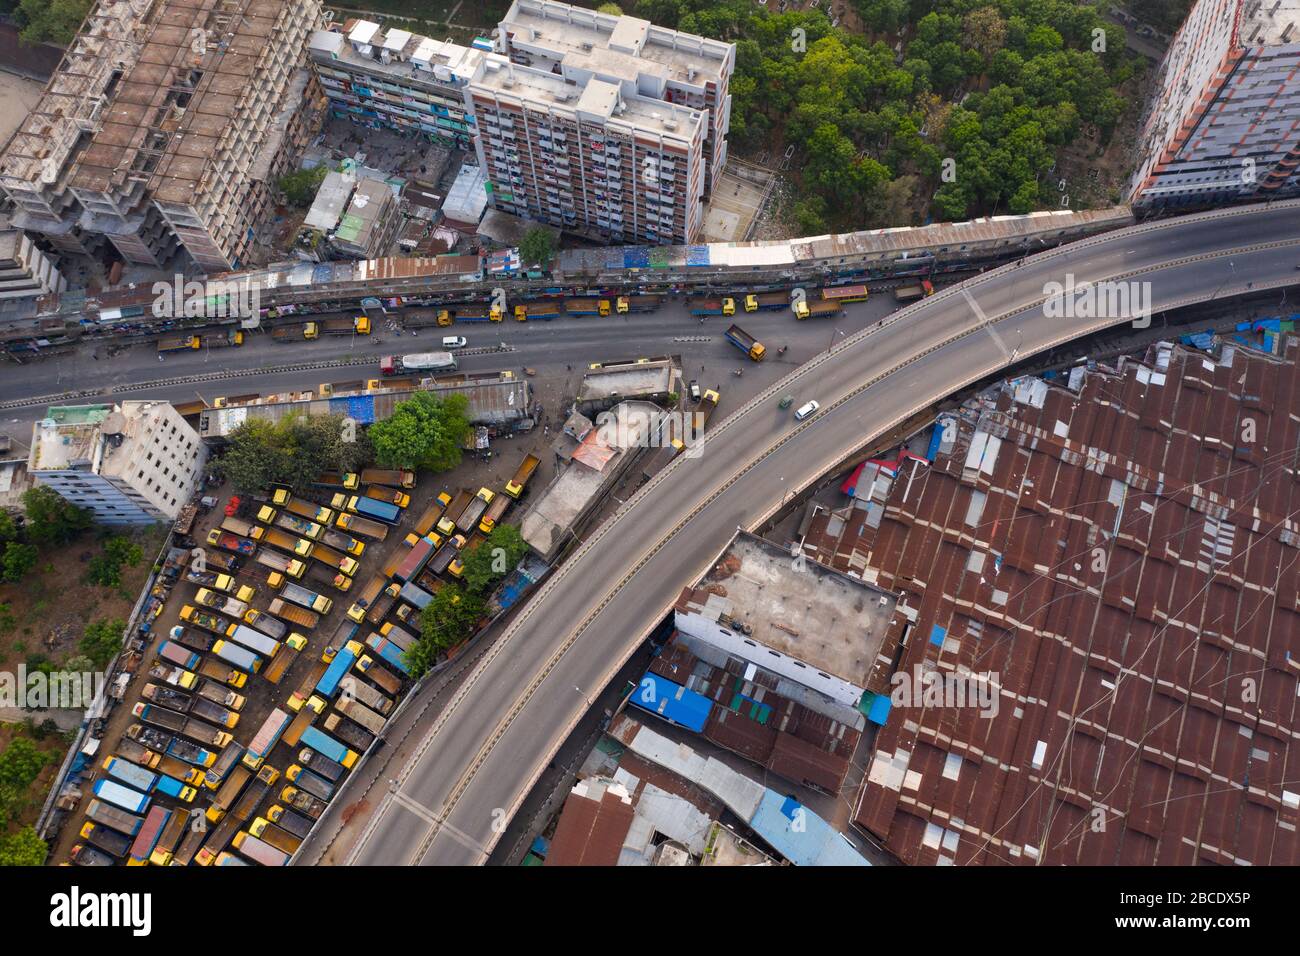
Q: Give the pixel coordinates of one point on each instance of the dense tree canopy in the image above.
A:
(423, 432)
(875, 126)
(293, 451)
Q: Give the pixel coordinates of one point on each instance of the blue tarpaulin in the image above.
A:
(878, 712)
(672, 702)
(360, 408)
(937, 634)
(697, 255)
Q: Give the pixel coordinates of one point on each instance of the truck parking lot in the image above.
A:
(251, 706)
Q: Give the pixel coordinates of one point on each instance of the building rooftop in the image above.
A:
(595, 461)
(623, 47)
(1106, 555)
(798, 607)
(627, 380)
(1269, 22)
(68, 437)
(331, 199)
(593, 101)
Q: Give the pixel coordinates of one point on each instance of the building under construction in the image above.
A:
(164, 130)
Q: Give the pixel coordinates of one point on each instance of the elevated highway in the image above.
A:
(477, 762)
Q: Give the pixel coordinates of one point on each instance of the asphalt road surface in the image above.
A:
(489, 744)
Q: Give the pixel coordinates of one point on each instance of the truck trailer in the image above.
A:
(742, 340)
(417, 362)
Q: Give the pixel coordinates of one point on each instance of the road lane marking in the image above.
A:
(984, 320)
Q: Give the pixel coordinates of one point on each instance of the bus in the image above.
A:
(845, 294)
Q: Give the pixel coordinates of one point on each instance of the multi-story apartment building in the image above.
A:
(1224, 122)
(589, 158)
(396, 80)
(133, 463)
(25, 271)
(642, 59)
(595, 123)
(165, 128)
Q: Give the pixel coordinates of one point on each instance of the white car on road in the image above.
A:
(453, 341)
(806, 410)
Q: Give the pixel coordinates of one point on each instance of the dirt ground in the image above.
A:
(18, 95)
(54, 602)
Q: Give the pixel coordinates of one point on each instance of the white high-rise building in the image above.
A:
(132, 463)
(1224, 122)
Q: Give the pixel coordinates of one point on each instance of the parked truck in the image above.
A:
(204, 619)
(289, 651)
(223, 672)
(244, 809)
(544, 311)
(299, 526)
(379, 675)
(303, 802)
(259, 851)
(171, 833)
(227, 762)
(362, 526)
(176, 654)
(470, 313)
(220, 602)
(297, 615)
(390, 652)
(106, 839)
(391, 495)
(343, 660)
(145, 841)
(202, 643)
(704, 411)
(178, 343)
(240, 657)
(374, 587)
(266, 738)
(337, 481)
(220, 694)
(211, 579)
(348, 731)
(235, 544)
(304, 598)
(468, 519)
(417, 363)
(305, 509)
(296, 823)
(516, 485)
(264, 622)
(304, 779)
(173, 675)
(376, 510)
(277, 538)
(910, 293)
(167, 696)
(257, 642)
(343, 542)
(228, 792)
(190, 727)
(746, 343)
(362, 714)
(357, 325)
(269, 833)
(821, 309)
(105, 813)
(335, 559)
(637, 303)
(124, 798)
(383, 604)
(447, 523)
(243, 529)
(292, 333)
(277, 563)
(493, 514)
(587, 306)
(766, 301)
(353, 688)
(320, 744)
(725, 306)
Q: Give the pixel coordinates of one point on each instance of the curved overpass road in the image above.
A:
(497, 733)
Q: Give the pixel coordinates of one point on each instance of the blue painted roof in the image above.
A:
(878, 713)
(672, 702)
(800, 835)
(937, 634)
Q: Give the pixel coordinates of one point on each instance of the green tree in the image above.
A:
(292, 451)
(493, 558)
(20, 764)
(102, 640)
(537, 248)
(300, 186)
(446, 621)
(8, 527)
(423, 432)
(105, 569)
(17, 560)
(55, 21)
(51, 519)
(23, 848)
(613, 8)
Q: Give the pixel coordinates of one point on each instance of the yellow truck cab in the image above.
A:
(728, 306)
(444, 317)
